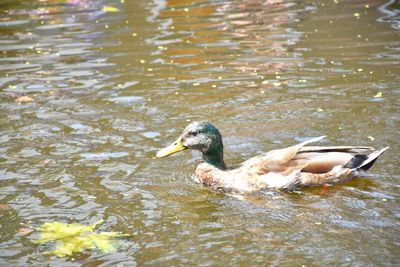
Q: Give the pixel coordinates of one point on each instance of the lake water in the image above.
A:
(91, 90)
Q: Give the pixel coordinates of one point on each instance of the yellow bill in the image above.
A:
(171, 149)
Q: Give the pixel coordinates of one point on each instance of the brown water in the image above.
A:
(88, 97)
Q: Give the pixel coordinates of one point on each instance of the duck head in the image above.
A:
(202, 136)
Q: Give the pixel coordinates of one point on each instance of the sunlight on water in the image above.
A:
(91, 90)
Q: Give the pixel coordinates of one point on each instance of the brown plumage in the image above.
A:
(286, 168)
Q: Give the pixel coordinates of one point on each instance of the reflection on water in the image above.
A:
(90, 90)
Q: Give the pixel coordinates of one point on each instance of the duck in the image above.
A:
(287, 168)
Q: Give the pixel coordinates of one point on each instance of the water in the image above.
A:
(89, 95)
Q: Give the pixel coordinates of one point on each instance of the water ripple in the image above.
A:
(89, 96)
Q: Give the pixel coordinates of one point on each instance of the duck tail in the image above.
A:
(364, 162)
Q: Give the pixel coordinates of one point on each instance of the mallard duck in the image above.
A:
(287, 168)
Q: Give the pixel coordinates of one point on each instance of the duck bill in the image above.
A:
(171, 149)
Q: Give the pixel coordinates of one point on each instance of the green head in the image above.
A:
(202, 136)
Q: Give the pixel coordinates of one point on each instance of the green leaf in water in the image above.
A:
(106, 241)
(75, 238)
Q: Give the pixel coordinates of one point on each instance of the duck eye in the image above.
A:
(192, 134)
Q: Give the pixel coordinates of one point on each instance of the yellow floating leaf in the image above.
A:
(109, 9)
(379, 94)
(106, 241)
(76, 238)
(102, 242)
(70, 245)
(55, 230)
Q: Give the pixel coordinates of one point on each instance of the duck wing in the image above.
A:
(323, 159)
(282, 160)
(349, 149)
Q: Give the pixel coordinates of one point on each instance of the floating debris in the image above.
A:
(76, 238)
(379, 94)
(109, 9)
(276, 83)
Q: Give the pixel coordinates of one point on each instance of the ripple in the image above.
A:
(11, 23)
(126, 99)
(104, 155)
(110, 89)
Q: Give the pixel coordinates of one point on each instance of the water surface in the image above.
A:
(89, 95)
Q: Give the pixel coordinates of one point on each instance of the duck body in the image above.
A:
(288, 168)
